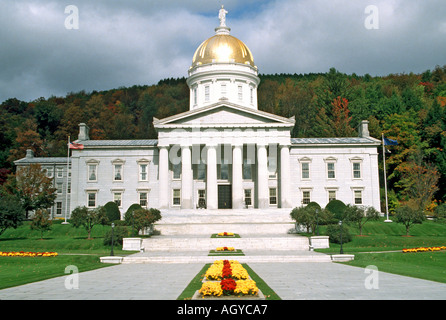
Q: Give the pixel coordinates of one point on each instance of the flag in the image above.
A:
(390, 142)
(78, 146)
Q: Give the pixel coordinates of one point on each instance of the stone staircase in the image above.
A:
(264, 237)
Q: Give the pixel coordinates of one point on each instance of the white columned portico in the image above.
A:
(285, 176)
(211, 178)
(186, 178)
(163, 177)
(262, 176)
(237, 177)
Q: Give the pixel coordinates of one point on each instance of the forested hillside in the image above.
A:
(409, 108)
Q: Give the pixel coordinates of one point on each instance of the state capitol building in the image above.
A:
(223, 153)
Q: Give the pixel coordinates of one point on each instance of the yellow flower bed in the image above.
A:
(225, 234)
(424, 249)
(211, 289)
(27, 254)
(244, 286)
(214, 272)
(225, 249)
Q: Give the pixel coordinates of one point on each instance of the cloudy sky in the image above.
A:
(46, 50)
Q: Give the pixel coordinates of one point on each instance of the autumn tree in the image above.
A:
(41, 221)
(419, 181)
(32, 188)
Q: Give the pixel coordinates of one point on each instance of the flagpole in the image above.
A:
(66, 186)
(385, 181)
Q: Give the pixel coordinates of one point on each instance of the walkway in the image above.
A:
(291, 281)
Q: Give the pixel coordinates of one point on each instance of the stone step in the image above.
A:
(181, 243)
(243, 221)
(241, 259)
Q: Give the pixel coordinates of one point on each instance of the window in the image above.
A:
(207, 93)
(305, 166)
(195, 96)
(201, 171)
(117, 176)
(272, 161)
(223, 89)
(69, 187)
(91, 199)
(59, 208)
(117, 198)
(176, 171)
(49, 171)
(252, 95)
(356, 170)
(59, 172)
(240, 93)
(248, 197)
(143, 197)
(223, 171)
(331, 195)
(247, 170)
(143, 176)
(358, 196)
(331, 170)
(92, 172)
(59, 187)
(176, 199)
(306, 197)
(273, 196)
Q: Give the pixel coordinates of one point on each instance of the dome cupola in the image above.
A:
(223, 69)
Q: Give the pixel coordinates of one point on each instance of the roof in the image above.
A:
(42, 160)
(335, 141)
(119, 143)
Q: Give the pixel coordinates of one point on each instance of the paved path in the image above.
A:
(291, 281)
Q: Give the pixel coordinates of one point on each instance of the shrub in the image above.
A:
(337, 208)
(119, 233)
(112, 211)
(334, 233)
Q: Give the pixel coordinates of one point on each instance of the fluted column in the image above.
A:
(237, 176)
(163, 177)
(262, 177)
(285, 177)
(186, 178)
(211, 178)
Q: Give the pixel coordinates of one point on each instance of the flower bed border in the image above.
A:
(236, 252)
(31, 254)
(215, 235)
(227, 275)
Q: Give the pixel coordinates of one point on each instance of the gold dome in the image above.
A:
(223, 48)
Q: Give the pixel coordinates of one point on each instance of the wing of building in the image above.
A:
(223, 153)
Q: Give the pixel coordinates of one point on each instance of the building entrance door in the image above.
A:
(224, 196)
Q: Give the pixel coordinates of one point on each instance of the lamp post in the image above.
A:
(112, 238)
(340, 225)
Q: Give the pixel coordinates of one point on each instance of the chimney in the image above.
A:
(84, 132)
(363, 129)
(29, 154)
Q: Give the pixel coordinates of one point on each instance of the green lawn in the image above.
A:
(381, 245)
(71, 244)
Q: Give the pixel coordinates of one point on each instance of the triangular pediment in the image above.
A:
(224, 114)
